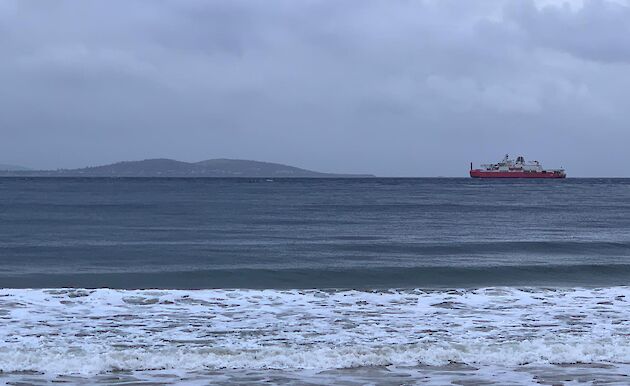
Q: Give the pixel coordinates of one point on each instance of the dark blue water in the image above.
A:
(413, 281)
(313, 233)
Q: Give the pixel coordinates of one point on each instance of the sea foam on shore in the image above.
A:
(88, 333)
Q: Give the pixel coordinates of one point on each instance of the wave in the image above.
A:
(79, 331)
(545, 248)
(403, 276)
(103, 359)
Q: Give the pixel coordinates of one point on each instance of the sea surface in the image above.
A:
(314, 281)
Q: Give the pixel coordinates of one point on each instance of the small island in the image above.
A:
(162, 167)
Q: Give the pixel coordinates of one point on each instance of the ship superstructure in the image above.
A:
(508, 168)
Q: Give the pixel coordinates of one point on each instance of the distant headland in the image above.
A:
(13, 168)
(162, 167)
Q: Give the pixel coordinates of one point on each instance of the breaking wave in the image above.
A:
(88, 332)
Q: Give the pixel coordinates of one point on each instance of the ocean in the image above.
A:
(314, 281)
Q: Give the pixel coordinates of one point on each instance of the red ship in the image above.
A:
(515, 169)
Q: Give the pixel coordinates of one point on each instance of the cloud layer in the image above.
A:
(388, 87)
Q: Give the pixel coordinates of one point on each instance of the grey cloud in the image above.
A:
(386, 87)
(468, 94)
(596, 31)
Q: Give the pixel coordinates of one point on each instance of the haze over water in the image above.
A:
(314, 280)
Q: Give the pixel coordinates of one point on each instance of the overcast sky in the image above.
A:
(391, 87)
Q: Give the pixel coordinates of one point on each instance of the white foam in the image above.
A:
(91, 332)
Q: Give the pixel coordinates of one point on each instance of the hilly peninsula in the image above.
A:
(5, 167)
(163, 167)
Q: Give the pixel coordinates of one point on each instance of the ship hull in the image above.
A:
(514, 174)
